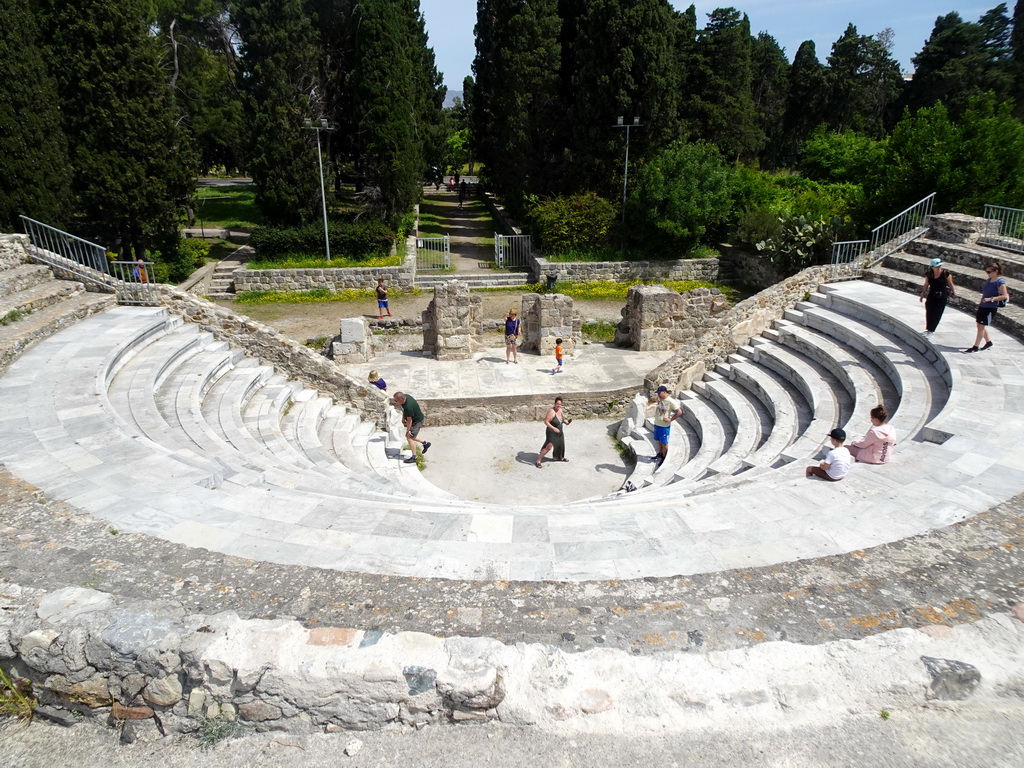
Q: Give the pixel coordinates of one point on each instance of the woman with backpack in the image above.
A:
(994, 294)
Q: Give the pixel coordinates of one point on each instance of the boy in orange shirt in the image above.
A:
(558, 357)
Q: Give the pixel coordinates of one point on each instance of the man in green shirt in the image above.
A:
(412, 417)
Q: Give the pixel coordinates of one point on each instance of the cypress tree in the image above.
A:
(624, 62)
(864, 82)
(1016, 65)
(518, 60)
(726, 111)
(34, 170)
(389, 153)
(134, 170)
(278, 74)
(806, 104)
(769, 90)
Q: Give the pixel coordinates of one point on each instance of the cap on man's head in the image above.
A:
(662, 388)
(936, 262)
(838, 434)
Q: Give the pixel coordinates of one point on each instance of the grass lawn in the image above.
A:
(227, 207)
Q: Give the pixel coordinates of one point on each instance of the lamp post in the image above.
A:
(308, 125)
(625, 176)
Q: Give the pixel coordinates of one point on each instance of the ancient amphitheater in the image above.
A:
(201, 519)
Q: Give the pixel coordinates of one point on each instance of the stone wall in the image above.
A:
(352, 344)
(960, 228)
(734, 328)
(582, 271)
(492, 410)
(286, 355)
(745, 267)
(657, 318)
(13, 250)
(546, 318)
(452, 322)
(358, 278)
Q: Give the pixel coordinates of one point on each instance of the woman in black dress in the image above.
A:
(936, 289)
(554, 436)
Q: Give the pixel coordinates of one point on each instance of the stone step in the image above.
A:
(19, 335)
(22, 277)
(922, 389)
(964, 275)
(780, 401)
(475, 281)
(751, 423)
(960, 256)
(37, 297)
(859, 381)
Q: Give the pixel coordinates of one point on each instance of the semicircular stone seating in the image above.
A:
(147, 422)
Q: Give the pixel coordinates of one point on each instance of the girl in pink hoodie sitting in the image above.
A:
(876, 446)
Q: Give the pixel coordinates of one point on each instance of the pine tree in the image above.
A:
(726, 110)
(960, 61)
(864, 82)
(134, 170)
(278, 74)
(1016, 65)
(34, 170)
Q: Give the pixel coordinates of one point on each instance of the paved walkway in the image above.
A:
(470, 227)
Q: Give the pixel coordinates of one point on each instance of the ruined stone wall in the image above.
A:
(960, 228)
(657, 318)
(734, 328)
(494, 410)
(452, 322)
(624, 271)
(13, 250)
(546, 318)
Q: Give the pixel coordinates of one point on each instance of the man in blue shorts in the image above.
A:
(666, 411)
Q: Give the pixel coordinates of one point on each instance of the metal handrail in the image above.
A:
(905, 226)
(66, 245)
(131, 281)
(1011, 228)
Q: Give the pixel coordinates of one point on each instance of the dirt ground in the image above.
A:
(310, 321)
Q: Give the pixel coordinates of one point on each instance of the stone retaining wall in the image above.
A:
(153, 670)
(494, 410)
(657, 318)
(734, 328)
(287, 280)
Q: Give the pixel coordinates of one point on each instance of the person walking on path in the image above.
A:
(554, 434)
(667, 410)
(513, 329)
(837, 462)
(412, 418)
(935, 291)
(876, 446)
(558, 358)
(382, 299)
(463, 193)
(994, 294)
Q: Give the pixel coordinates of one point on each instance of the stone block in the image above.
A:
(352, 330)
(951, 680)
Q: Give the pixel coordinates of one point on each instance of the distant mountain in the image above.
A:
(449, 100)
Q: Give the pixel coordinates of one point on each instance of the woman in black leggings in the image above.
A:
(936, 289)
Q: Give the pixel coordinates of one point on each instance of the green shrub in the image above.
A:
(800, 243)
(575, 223)
(353, 240)
(680, 194)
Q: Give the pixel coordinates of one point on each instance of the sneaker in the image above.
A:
(426, 447)
(987, 346)
(659, 459)
(410, 460)
(972, 349)
(926, 334)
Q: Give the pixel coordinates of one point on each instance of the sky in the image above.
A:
(790, 22)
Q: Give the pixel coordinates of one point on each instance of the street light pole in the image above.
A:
(625, 175)
(308, 124)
